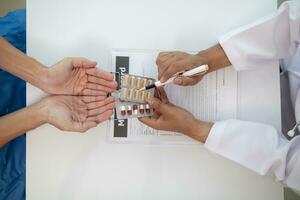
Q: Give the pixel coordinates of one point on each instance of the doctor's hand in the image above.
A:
(169, 117)
(170, 63)
(78, 76)
(76, 113)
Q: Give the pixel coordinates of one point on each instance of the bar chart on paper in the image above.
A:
(214, 98)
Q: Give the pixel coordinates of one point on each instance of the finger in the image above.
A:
(171, 70)
(83, 62)
(102, 117)
(102, 109)
(184, 81)
(98, 104)
(169, 63)
(100, 81)
(150, 121)
(91, 92)
(94, 86)
(158, 105)
(100, 74)
(166, 64)
(163, 56)
(163, 95)
(89, 99)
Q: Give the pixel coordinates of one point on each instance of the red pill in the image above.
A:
(123, 110)
(129, 110)
(147, 108)
(135, 107)
(142, 110)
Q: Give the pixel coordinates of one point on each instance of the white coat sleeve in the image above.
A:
(265, 41)
(258, 147)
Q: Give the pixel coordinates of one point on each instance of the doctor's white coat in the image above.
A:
(257, 146)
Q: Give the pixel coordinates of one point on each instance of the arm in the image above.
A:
(256, 146)
(263, 42)
(72, 76)
(14, 61)
(10, 126)
(169, 63)
(68, 113)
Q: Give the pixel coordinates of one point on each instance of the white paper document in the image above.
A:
(213, 98)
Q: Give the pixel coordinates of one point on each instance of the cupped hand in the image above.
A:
(77, 113)
(169, 117)
(170, 63)
(78, 76)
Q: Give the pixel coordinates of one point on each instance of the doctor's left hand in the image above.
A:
(169, 117)
(78, 76)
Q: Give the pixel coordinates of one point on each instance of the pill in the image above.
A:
(136, 95)
(135, 108)
(138, 83)
(147, 108)
(131, 94)
(133, 82)
(123, 110)
(143, 96)
(125, 80)
(149, 95)
(129, 110)
(141, 109)
(144, 82)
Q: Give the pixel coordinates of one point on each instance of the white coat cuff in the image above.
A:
(214, 138)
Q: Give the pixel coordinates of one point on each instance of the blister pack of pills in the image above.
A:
(130, 85)
(125, 110)
(130, 101)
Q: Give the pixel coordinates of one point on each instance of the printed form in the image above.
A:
(213, 98)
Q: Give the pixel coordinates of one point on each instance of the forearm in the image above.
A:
(258, 147)
(16, 62)
(19, 122)
(199, 130)
(216, 57)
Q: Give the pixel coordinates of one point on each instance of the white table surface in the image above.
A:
(73, 166)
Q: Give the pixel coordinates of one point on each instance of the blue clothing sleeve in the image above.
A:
(13, 28)
(12, 155)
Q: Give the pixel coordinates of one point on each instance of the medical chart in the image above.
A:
(213, 98)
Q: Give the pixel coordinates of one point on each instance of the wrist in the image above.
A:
(199, 130)
(44, 81)
(215, 57)
(41, 111)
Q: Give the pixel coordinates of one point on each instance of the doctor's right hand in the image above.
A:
(76, 113)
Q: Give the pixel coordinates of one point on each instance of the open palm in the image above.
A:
(79, 76)
(78, 113)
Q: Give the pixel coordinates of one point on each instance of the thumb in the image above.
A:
(83, 62)
(158, 105)
(184, 81)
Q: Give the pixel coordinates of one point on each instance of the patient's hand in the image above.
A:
(77, 113)
(78, 76)
(170, 117)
